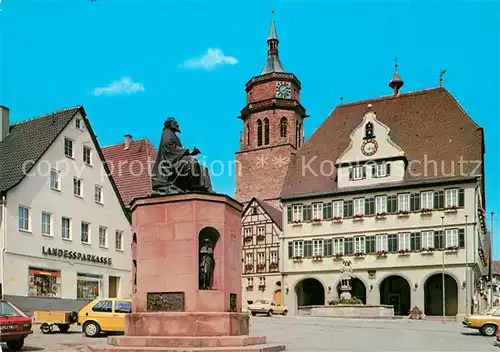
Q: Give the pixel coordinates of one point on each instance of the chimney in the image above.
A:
(4, 122)
(128, 140)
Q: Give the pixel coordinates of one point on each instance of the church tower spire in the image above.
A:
(273, 63)
(273, 129)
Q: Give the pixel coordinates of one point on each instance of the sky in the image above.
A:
(131, 63)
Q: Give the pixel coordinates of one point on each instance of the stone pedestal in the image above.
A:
(170, 311)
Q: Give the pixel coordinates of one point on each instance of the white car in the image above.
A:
(268, 307)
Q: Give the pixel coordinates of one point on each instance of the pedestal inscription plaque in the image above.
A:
(165, 301)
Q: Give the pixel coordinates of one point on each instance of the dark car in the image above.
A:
(15, 325)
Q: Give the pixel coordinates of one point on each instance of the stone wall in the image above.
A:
(348, 311)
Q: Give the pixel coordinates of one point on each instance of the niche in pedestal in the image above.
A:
(207, 240)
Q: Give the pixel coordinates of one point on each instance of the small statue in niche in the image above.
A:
(207, 265)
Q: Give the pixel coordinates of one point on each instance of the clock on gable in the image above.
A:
(369, 147)
(284, 90)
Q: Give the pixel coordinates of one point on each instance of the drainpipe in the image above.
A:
(4, 242)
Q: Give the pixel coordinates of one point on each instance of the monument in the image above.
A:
(186, 252)
(345, 280)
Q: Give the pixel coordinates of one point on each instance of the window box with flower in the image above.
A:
(296, 223)
(381, 254)
(403, 214)
(261, 267)
(428, 250)
(317, 221)
(381, 216)
(248, 267)
(261, 237)
(248, 238)
(451, 209)
(250, 288)
(452, 249)
(337, 219)
(262, 288)
(358, 217)
(297, 258)
(404, 252)
(317, 257)
(426, 212)
(338, 256)
(273, 266)
(358, 255)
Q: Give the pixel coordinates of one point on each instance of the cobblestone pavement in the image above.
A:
(319, 334)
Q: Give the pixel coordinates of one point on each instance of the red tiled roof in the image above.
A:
(427, 125)
(131, 168)
(274, 214)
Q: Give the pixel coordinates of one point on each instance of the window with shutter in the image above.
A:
(426, 200)
(380, 204)
(338, 246)
(451, 199)
(461, 238)
(297, 213)
(327, 210)
(317, 247)
(359, 244)
(404, 241)
(451, 239)
(404, 202)
(317, 211)
(427, 239)
(358, 172)
(381, 170)
(298, 249)
(461, 197)
(381, 243)
(338, 209)
(359, 206)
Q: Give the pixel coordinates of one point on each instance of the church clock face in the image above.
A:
(369, 147)
(284, 90)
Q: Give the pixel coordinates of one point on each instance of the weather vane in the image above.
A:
(396, 62)
(441, 74)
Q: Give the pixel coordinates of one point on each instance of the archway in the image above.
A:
(395, 291)
(310, 292)
(358, 289)
(433, 295)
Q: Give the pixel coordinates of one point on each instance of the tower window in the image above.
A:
(259, 132)
(266, 131)
(248, 134)
(369, 130)
(283, 126)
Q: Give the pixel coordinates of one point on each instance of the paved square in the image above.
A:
(319, 334)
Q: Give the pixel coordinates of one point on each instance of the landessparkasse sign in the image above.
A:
(64, 253)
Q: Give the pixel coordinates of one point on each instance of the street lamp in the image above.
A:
(466, 269)
(443, 244)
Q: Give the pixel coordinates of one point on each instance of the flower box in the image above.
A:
(262, 287)
(317, 221)
(273, 266)
(452, 209)
(261, 266)
(337, 219)
(426, 212)
(250, 288)
(338, 257)
(403, 214)
(317, 258)
(358, 217)
(297, 259)
(248, 267)
(248, 238)
(427, 250)
(261, 237)
(452, 249)
(404, 252)
(381, 254)
(358, 255)
(296, 223)
(381, 216)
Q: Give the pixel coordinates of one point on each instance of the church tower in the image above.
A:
(272, 129)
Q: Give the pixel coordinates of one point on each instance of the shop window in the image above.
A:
(103, 306)
(123, 307)
(44, 283)
(88, 287)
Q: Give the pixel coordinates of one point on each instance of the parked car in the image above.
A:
(15, 325)
(487, 323)
(268, 307)
(104, 315)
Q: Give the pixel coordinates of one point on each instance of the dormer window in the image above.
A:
(381, 170)
(369, 131)
(357, 173)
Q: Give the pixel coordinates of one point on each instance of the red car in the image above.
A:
(15, 326)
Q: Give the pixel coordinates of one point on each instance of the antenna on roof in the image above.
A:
(441, 74)
(341, 100)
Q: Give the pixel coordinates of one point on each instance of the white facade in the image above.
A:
(58, 199)
(397, 238)
(261, 256)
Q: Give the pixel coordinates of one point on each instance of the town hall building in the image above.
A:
(394, 185)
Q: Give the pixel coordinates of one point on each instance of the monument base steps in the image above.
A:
(255, 348)
(184, 341)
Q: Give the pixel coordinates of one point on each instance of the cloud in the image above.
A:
(212, 58)
(124, 86)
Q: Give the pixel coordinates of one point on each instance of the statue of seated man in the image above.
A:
(176, 170)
